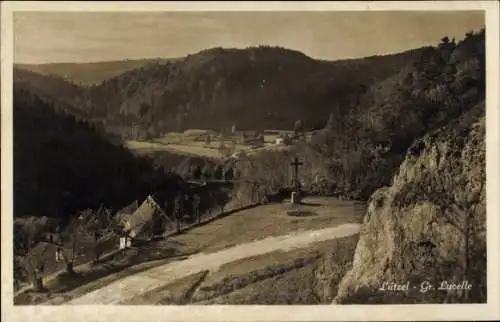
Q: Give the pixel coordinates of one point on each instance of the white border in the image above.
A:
(251, 312)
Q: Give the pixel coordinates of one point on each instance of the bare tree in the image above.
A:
(75, 236)
(196, 208)
(298, 127)
(34, 265)
(178, 210)
(95, 228)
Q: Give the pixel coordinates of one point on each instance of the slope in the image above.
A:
(63, 165)
(88, 74)
(253, 88)
(429, 226)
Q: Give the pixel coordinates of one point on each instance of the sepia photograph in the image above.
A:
(233, 156)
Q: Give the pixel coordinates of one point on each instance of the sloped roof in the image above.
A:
(139, 223)
(123, 214)
(131, 208)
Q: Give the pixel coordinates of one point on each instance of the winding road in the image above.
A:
(122, 291)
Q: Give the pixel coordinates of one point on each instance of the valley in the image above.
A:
(250, 176)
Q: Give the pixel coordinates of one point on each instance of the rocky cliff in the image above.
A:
(427, 230)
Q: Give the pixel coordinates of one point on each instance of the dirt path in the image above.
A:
(121, 291)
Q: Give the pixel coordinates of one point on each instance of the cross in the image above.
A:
(296, 163)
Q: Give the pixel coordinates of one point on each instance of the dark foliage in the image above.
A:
(254, 88)
(63, 165)
(364, 142)
(364, 147)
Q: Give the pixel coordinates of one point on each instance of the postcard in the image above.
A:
(249, 161)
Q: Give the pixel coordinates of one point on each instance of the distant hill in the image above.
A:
(359, 150)
(254, 88)
(88, 74)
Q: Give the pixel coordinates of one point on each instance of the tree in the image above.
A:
(76, 235)
(96, 228)
(330, 124)
(197, 172)
(228, 173)
(34, 264)
(196, 208)
(208, 140)
(298, 126)
(178, 210)
(218, 172)
(206, 172)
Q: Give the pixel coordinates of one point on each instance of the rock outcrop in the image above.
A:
(427, 228)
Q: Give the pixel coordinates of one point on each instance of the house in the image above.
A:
(141, 224)
(123, 214)
(45, 258)
(283, 139)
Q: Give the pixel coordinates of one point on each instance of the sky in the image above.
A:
(47, 37)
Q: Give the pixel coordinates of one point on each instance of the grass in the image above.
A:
(305, 276)
(265, 221)
(240, 227)
(178, 292)
(293, 277)
(256, 263)
(145, 147)
(90, 277)
(186, 144)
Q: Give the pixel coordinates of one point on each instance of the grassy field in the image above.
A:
(192, 143)
(299, 277)
(303, 276)
(145, 147)
(241, 227)
(268, 220)
(178, 292)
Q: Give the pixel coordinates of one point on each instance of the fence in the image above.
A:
(209, 219)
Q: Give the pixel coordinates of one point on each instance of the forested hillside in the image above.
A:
(254, 88)
(371, 109)
(63, 165)
(358, 151)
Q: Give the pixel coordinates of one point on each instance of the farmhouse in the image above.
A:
(141, 224)
(123, 214)
(283, 139)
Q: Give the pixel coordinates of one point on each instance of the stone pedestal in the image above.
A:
(295, 198)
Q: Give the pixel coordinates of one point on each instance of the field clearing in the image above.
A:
(145, 147)
(270, 138)
(268, 220)
(193, 143)
(194, 148)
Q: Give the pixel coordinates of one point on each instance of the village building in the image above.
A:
(140, 225)
(123, 214)
(42, 259)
